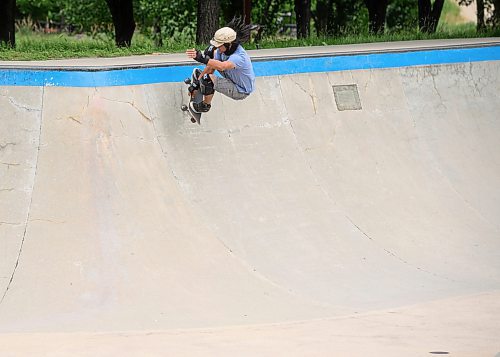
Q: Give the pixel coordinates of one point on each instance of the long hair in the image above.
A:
(242, 30)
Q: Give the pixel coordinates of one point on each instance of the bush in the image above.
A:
(402, 15)
(174, 19)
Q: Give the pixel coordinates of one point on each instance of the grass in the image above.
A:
(35, 45)
(43, 46)
(39, 46)
(464, 32)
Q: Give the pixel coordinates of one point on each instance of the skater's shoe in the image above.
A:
(201, 107)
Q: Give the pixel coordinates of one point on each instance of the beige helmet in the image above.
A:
(222, 36)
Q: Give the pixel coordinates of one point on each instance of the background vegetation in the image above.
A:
(68, 28)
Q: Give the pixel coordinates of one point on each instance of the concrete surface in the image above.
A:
(281, 226)
(163, 59)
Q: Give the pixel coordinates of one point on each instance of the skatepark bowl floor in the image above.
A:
(337, 211)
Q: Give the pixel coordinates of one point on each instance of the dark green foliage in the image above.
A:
(170, 21)
(274, 16)
(402, 15)
(336, 17)
(162, 19)
(40, 11)
(91, 16)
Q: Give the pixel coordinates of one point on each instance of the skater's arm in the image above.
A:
(220, 66)
(212, 63)
(207, 70)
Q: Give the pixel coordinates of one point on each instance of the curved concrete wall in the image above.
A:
(119, 214)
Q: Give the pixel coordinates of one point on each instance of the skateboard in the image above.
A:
(194, 96)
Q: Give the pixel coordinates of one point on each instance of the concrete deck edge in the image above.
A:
(262, 55)
(269, 64)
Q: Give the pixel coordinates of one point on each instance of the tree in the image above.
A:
(231, 8)
(377, 10)
(167, 21)
(40, 11)
(266, 15)
(91, 16)
(496, 14)
(208, 20)
(491, 7)
(402, 15)
(122, 12)
(323, 17)
(429, 14)
(303, 17)
(334, 17)
(7, 22)
(481, 24)
(247, 11)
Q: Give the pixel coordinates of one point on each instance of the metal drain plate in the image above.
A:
(347, 97)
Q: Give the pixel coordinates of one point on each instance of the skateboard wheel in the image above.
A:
(187, 81)
(193, 120)
(184, 107)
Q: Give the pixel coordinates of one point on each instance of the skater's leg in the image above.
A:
(208, 98)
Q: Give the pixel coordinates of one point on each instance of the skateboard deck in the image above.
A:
(194, 96)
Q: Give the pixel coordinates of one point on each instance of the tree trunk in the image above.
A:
(377, 9)
(303, 17)
(496, 14)
(437, 9)
(323, 17)
(230, 9)
(429, 15)
(7, 22)
(157, 35)
(481, 25)
(122, 13)
(247, 11)
(208, 20)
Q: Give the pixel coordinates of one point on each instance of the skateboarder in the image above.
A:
(226, 55)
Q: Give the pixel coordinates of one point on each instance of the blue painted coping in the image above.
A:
(125, 77)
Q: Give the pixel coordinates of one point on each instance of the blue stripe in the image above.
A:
(125, 77)
(377, 60)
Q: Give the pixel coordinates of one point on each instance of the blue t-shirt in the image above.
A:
(243, 75)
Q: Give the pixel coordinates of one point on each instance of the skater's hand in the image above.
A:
(197, 56)
(191, 53)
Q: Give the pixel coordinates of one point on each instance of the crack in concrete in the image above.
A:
(16, 265)
(9, 164)
(9, 223)
(285, 120)
(47, 221)
(75, 120)
(370, 79)
(132, 104)
(407, 101)
(395, 255)
(312, 96)
(19, 105)
(473, 80)
(4, 146)
(318, 184)
(437, 91)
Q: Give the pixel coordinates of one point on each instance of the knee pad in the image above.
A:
(206, 85)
